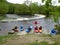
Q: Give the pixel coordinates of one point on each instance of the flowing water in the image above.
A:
(5, 27)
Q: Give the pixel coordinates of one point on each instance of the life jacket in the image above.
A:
(36, 31)
(15, 30)
(40, 31)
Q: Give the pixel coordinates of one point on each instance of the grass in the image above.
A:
(3, 39)
(42, 43)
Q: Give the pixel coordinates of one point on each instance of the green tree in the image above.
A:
(47, 8)
(41, 10)
(21, 9)
(3, 8)
(3, 1)
(33, 8)
(11, 9)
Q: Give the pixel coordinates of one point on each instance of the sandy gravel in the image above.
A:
(29, 38)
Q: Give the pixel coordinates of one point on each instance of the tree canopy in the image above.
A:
(33, 8)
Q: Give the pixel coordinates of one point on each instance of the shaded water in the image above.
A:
(47, 24)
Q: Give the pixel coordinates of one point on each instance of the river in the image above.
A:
(46, 23)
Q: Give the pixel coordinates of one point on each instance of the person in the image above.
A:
(53, 32)
(40, 29)
(29, 29)
(15, 29)
(21, 28)
(55, 26)
(36, 22)
(36, 29)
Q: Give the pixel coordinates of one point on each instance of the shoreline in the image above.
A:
(37, 16)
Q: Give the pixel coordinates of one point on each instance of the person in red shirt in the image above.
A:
(36, 29)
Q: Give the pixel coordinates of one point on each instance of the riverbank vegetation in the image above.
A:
(33, 8)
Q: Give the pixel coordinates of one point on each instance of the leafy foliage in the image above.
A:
(3, 8)
(33, 8)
